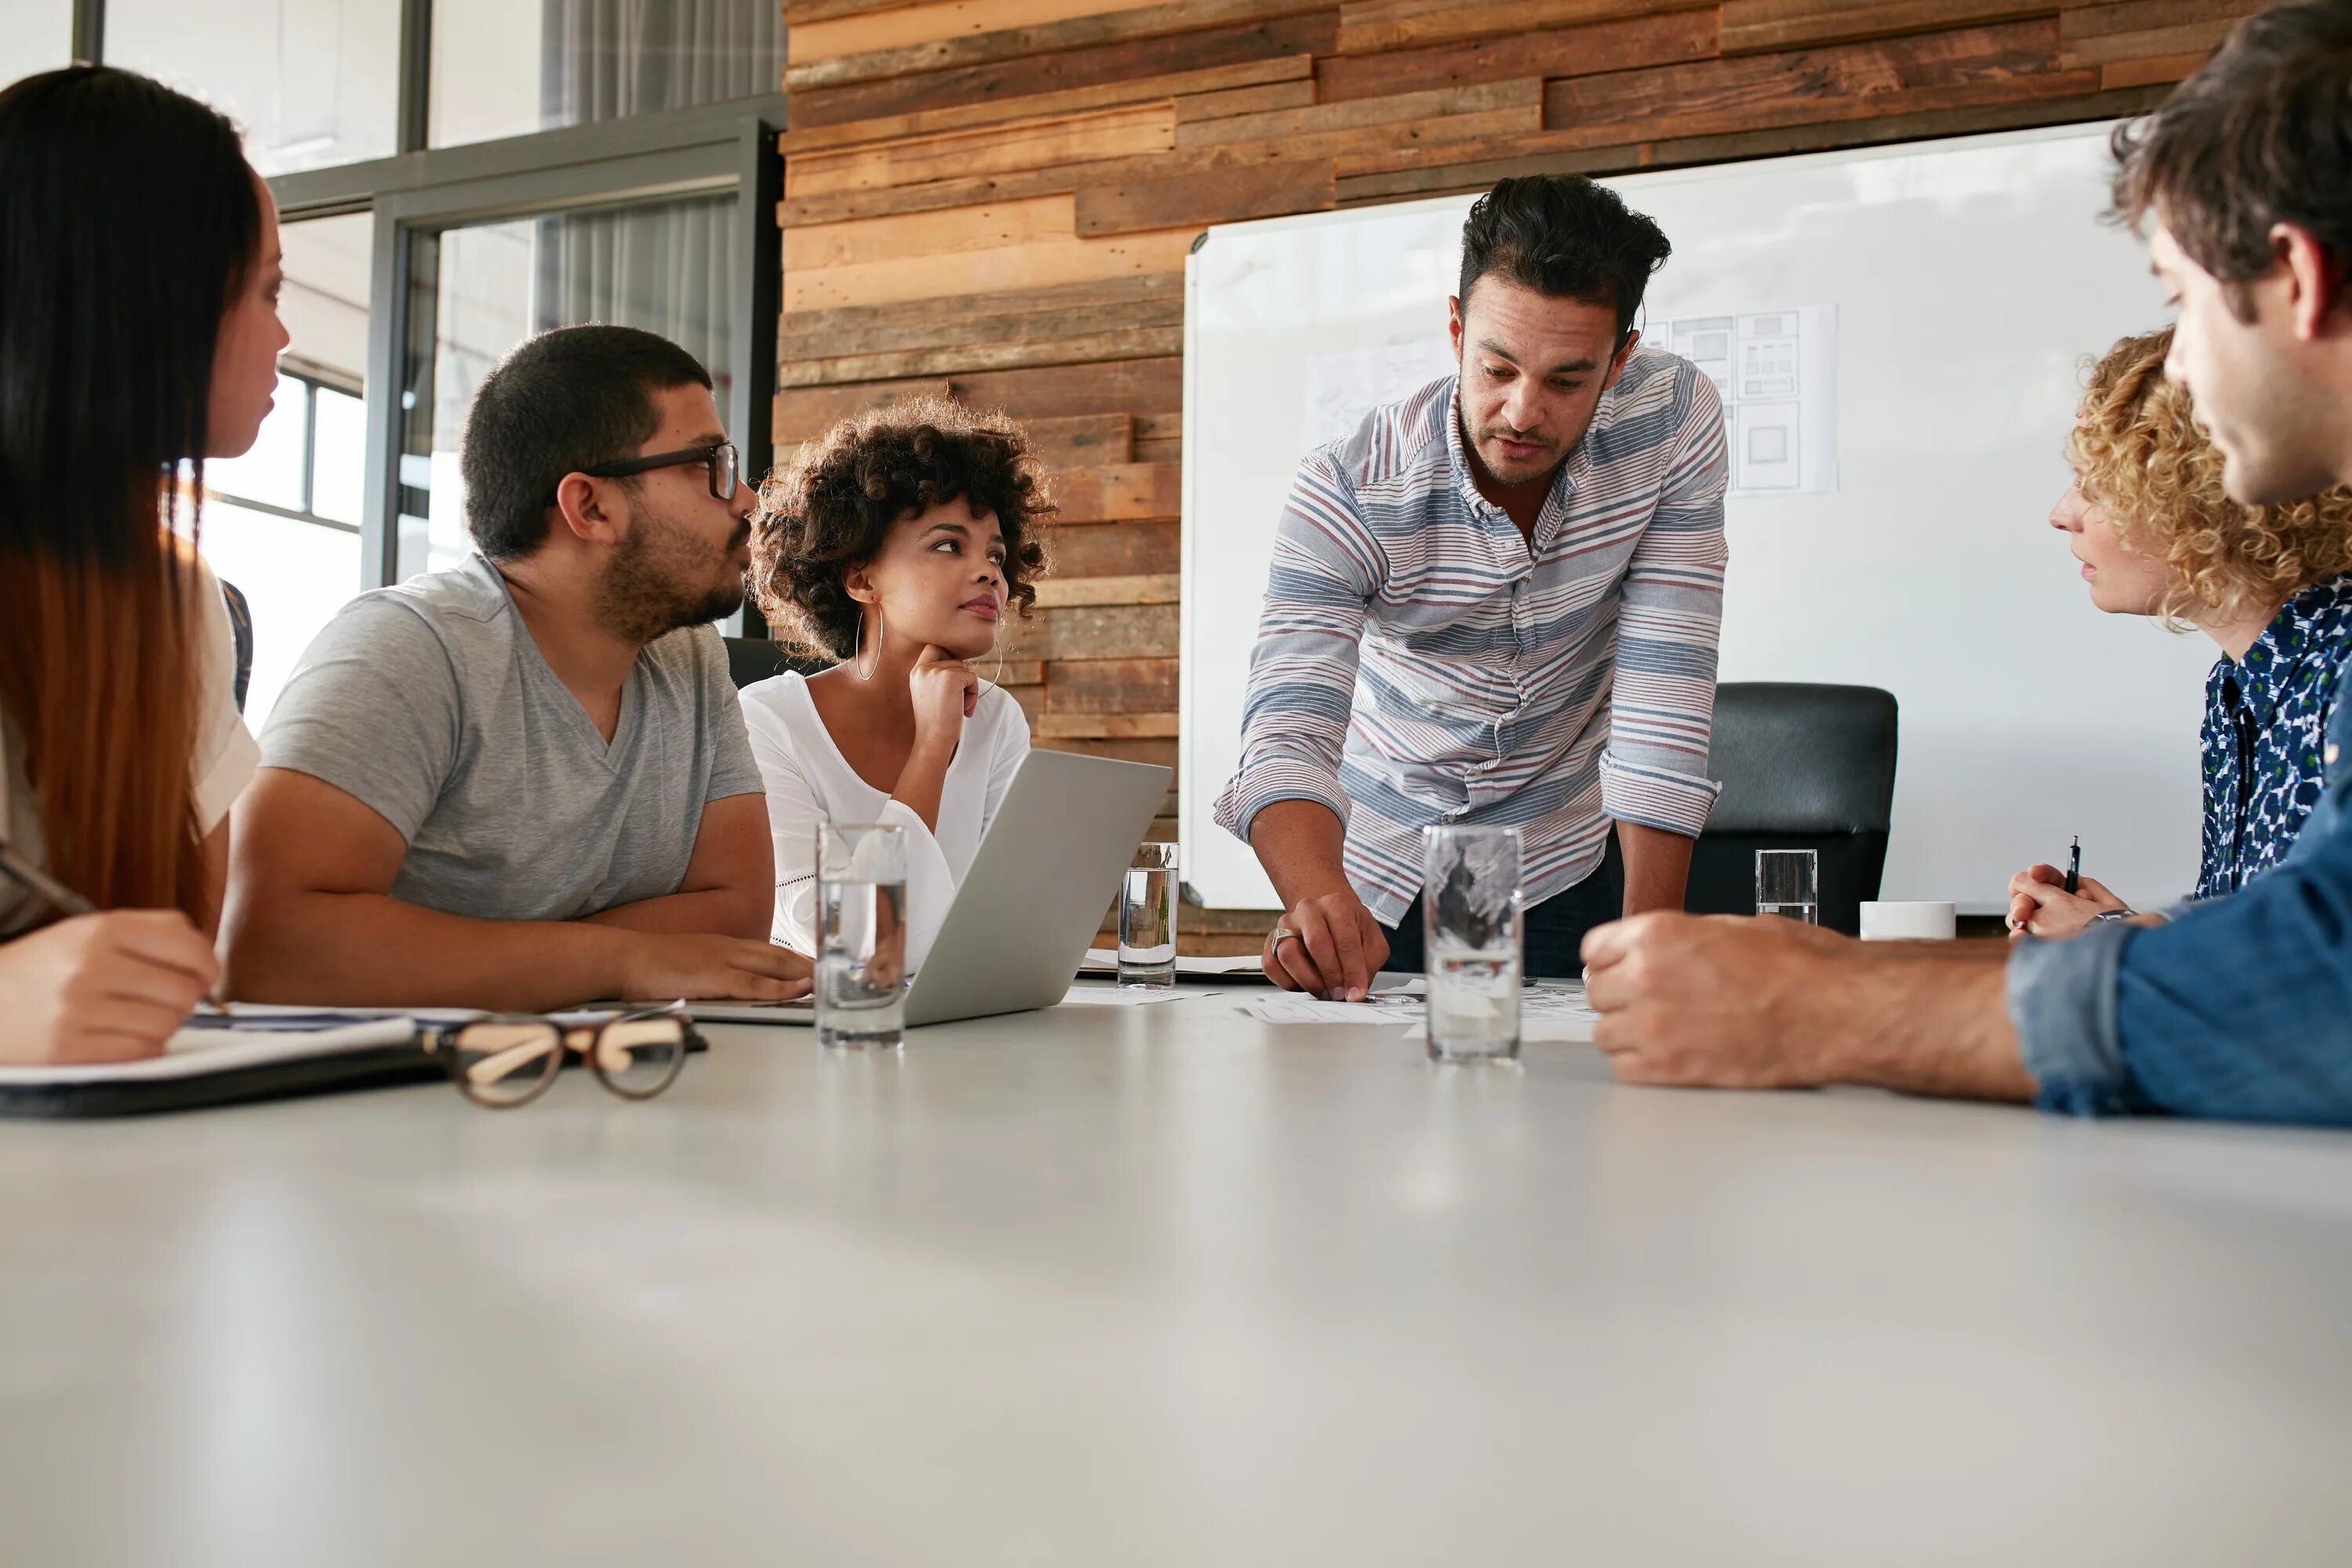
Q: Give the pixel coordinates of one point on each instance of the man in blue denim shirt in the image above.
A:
(2242, 1006)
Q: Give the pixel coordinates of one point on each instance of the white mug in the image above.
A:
(1916, 921)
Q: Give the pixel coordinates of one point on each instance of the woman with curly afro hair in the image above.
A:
(896, 543)
(2157, 536)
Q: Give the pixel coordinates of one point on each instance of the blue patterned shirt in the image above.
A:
(1420, 661)
(2265, 725)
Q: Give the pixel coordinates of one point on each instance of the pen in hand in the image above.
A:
(2074, 867)
(64, 898)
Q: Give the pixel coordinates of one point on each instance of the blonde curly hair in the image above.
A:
(2139, 455)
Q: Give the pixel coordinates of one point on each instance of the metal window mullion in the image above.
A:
(411, 114)
(89, 32)
(387, 335)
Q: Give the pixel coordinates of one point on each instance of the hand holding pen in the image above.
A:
(2044, 901)
(97, 985)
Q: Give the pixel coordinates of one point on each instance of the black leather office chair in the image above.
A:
(1804, 767)
(240, 625)
(751, 659)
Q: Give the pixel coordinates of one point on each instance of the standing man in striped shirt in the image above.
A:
(1496, 602)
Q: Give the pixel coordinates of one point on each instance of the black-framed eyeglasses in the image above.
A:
(723, 462)
(504, 1062)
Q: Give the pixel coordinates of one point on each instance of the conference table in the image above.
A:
(1163, 1284)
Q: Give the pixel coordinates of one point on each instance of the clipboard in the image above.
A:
(228, 1060)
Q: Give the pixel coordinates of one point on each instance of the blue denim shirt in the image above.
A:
(2240, 1007)
(2264, 715)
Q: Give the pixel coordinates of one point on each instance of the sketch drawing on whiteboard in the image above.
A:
(1344, 387)
(1776, 371)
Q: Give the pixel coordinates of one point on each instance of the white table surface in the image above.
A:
(1162, 1285)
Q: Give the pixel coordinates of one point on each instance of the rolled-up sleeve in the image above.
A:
(1302, 682)
(1670, 617)
(2062, 1002)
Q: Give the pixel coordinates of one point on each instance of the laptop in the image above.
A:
(1049, 865)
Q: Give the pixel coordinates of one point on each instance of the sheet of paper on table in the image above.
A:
(1124, 996)
(1546, 1012)
(1103, 960)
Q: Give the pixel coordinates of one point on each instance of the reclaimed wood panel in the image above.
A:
(1178, 86)
(1311, 34)
(1118, 492)
(1948, 70)
(1759, 26)
(1112, 686)
(1110, 631)
(1245, 101)
(1559, 151)
(1591, 50)
(1223, 196)
(1075, 33)
(989, 227)
(1157, 588)
(1147, 300)
(1070, 260)
(1307, 128)
(959, 154)
(1126, 344)
(905, 25)
(1125, 550)
(1369, 25)
(1120, 726)
(799, 11)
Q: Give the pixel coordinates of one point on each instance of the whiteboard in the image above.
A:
(1968, 280)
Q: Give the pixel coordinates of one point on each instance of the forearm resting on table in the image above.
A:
(1924, 1017)
(1657, 866)
(723, 911)
(1299, 842)
(372, 950)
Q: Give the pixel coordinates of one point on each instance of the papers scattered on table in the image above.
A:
(1546, 1012)
(1121, 996)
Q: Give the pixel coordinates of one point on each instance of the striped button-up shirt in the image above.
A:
(1419, 662)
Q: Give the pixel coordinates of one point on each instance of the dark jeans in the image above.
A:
(1554, 928)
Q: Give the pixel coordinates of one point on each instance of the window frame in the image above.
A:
(423, 191)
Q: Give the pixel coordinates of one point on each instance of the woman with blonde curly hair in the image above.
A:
(2157, 536)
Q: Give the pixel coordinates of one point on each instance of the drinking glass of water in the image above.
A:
(1788, 883)
(861, 955)
(1147, 918)
(1471, 912)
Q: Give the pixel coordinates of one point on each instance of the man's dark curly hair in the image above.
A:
(830, 511)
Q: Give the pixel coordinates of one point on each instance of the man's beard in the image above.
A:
(640, 595)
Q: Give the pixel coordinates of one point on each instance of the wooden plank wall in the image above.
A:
(993, 198)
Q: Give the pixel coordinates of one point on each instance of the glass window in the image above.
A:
(507, 67)
(666, 267)
(39, 37)
(281, 521)
(312, 82)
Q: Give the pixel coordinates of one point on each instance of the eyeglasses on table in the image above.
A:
(509, 1060)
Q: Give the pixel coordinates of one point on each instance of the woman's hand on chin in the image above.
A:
(945, 690)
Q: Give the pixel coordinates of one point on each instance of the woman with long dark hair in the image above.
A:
(139, 333)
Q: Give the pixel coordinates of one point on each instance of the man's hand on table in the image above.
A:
(1337, 949)
(1736, 1003)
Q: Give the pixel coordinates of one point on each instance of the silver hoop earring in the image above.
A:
(881, 627)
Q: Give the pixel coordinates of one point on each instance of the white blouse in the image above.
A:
(223, 762)
(810, 782)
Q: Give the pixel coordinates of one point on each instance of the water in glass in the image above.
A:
(1472, 929)
(1147, 918)
(861, 962)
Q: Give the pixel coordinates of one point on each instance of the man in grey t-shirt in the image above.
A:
(524, 781)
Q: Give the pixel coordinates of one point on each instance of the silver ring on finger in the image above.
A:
(1281, 935)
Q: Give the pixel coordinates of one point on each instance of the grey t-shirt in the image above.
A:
(430, 703)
